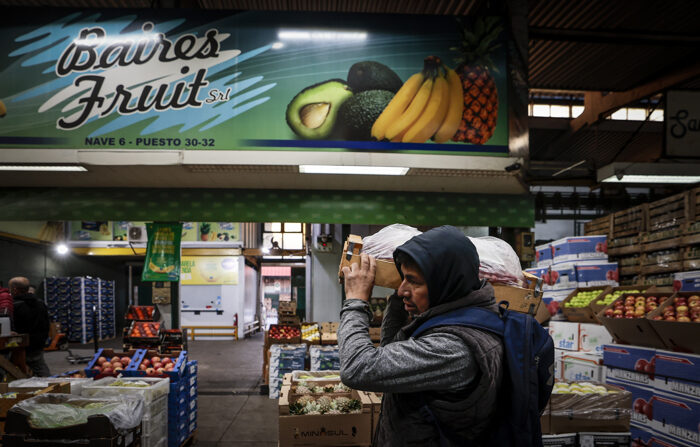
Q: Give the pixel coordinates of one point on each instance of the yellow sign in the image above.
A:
(209, 270)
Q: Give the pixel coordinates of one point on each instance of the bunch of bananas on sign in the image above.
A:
(428, 105)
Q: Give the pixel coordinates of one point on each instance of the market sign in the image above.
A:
(209, 270)
(253, 81)
(682, 116)
(162, 261)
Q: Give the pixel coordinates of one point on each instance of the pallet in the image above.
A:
(191, 439)
(598, 226)
(670, 212)
(629, 222)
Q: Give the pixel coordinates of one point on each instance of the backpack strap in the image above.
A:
(465, 316)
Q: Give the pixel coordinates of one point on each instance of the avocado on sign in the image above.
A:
(130, 79)
(682, 119)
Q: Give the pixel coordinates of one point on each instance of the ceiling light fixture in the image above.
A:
(352, 170)
(641, 173)
(61, 249)
(43, 168)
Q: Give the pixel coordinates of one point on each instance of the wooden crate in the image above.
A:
(629, 222)
(694, 204)
(670, 212)
(598, 226)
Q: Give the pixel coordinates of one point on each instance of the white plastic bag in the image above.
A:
(65, 410)
(498, 261)
(382, 244)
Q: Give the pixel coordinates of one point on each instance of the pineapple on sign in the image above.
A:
(480, 93)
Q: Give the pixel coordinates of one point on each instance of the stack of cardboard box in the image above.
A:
(579, 350)
(572, 262)
(665, 389)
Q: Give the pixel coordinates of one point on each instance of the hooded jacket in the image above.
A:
(452, 371)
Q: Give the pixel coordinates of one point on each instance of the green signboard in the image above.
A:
(162, 261)
(135, 79)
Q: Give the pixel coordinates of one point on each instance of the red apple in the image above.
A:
(157, 365)
(166, 360)
(169, 366)
(160, 370)
(617, 312)
(681, 308)
(143, 367)
(146, 362)
(125, 360)
(116, 365)
(150, 371)
(119, 368)
(638, 405)
(101, 360)
(107, 371)
(670, 318)
(609, 312)
(114, 359)
(683, 319)
(155, 359)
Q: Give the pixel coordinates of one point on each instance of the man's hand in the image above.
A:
(359, 278)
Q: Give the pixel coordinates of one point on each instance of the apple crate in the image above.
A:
(144, 332)
(156, 388)
(632, 331)
(92, 369)
(640, 287)
(680, 336)
(135, 369)
(583, 314)
(142, 313)
(291, 332)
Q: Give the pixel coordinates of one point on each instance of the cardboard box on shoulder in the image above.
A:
(386, 273)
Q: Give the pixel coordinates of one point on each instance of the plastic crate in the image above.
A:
(178, 415)
(192, 416)
(192, 405)
(135, 356)
(158, 387)
(192, 367)
(176, 375)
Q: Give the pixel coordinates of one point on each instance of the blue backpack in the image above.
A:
(528, 376)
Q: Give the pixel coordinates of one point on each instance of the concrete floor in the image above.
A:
(231, 410)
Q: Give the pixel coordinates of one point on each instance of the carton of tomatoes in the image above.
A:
(142, 313)
(152, 364)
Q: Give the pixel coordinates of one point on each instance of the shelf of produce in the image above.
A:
(626, 250)
(662, 245)
(669, 267)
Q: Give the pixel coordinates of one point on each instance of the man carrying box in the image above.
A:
(456, 369)
(445, 381)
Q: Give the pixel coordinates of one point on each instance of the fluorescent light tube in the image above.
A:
(653, 179)
(43, 168)
(353, 170)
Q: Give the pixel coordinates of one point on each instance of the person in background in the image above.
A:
(32, 289)
(442, 382)
(6, 303)
(32, 318)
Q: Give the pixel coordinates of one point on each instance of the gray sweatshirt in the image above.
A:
(437, 361)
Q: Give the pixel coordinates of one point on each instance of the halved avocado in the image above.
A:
(312, 112)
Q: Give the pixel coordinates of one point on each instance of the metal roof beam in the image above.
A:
(613, 37)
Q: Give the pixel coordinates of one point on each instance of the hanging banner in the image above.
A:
(144, 79)
(163, 252)
(209, 270)
(682, 116)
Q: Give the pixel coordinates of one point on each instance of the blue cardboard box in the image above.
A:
(597, 273)
(631, 358)
(678, 365)
(642, 401)
(687, 281)
(560, 276)
(580, 248)
(544, 256)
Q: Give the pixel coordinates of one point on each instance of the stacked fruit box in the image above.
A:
(665, 390)
(57, 299)
(83, 319)
(324, 358)
(284, 359)
(182, 404)
(105, 297)
(142, 334)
